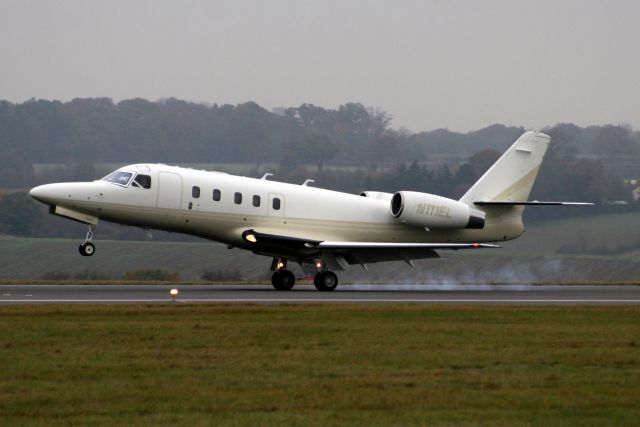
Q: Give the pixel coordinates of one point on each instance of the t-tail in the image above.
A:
(503, 191)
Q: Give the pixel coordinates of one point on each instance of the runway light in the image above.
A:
(174, 294)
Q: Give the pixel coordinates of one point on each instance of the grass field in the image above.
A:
(608, 230)
(531, 259)
(29, 259)
(319, 365)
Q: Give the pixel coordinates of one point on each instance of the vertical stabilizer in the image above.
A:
(511, 178)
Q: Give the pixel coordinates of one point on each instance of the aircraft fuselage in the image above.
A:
(220, 207)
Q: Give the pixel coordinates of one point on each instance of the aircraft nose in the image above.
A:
(38, 193)
(48, 193)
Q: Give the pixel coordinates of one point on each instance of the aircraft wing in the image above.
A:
(339, 254)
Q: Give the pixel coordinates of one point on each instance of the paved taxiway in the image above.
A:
(422, 294)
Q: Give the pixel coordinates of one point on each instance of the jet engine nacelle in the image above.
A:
(431, 211)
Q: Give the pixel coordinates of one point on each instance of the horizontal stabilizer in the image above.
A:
(532, 203)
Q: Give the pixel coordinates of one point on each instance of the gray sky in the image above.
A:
(456, 64)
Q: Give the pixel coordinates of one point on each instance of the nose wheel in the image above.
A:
(87, 248)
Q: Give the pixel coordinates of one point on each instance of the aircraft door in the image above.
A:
(276, 205)
(169, 190)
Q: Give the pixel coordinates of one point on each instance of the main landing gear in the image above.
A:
(283, 279)
(87, 248)
(325, 280)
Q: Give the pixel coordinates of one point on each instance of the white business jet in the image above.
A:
(320, 229)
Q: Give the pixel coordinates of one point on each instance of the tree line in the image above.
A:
(350, 148)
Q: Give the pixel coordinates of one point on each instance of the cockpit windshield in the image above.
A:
(120, 178)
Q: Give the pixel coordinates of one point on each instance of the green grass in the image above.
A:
(29, 258)
(608, 230)
(319, 365)
(532, 258)
(26, 259)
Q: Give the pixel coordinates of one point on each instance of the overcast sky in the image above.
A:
(455, 64)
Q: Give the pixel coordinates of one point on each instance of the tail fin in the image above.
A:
(511, 178)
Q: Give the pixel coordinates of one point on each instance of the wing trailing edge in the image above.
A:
(400, 246)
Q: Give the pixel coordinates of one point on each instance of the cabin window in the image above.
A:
(143, 181)
(216, 195)
(237, 198)
(256, 201)
(195, 192)
(120, 178)
(276, 204)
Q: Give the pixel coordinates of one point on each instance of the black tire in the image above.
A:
(283, 280)
(325, 281)
(87, 249)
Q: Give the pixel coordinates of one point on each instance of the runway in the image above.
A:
(416, 294)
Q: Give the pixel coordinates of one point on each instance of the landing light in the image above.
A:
(280, 265)
(251, 238)
(318, 264)
(174, 294)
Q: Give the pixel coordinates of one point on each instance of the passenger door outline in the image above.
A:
(169, 190)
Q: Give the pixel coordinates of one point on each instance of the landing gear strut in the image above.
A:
(282, 279)
(87, 248)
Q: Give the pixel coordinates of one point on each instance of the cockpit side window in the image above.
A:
(143, 181)
(120, 178)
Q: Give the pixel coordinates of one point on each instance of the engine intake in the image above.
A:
(431, 211)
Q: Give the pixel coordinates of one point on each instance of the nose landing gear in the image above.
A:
(87, 248)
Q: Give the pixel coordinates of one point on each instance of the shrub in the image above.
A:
(87, 274)
(56, 275)
(214, 275)
(152, 274)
